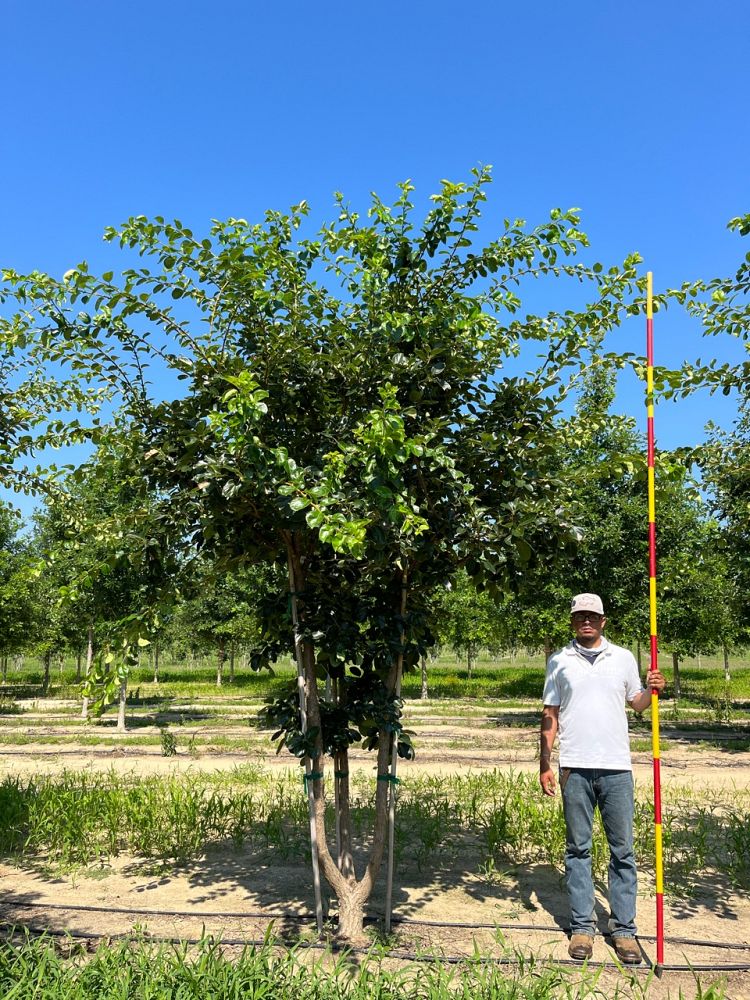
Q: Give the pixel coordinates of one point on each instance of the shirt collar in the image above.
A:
(584, 651)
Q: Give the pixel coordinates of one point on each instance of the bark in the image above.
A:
(727, 675)
(638, 656)
(89, 661)
(79, 664)
(351, 894)
(5, 667)
(676, 669)
(547, 648)
(231, 663)
(45, 680)
(423, 666)
(346, 855)
(121, 705)
(221, 656)
(470, 658)
(156, 661)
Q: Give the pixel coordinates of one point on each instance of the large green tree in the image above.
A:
(346, 414)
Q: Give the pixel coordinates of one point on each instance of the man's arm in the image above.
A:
(547, 736)
(642, 701)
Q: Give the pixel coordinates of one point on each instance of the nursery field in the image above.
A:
(188, 827)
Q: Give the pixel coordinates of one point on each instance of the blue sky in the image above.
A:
(636, 113)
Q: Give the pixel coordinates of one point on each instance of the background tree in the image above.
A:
(221, 609)
(105, 561)
(16, 588)
(725, 463)
(468, 620)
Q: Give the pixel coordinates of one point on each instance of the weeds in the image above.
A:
(137, 968)
(168, 744)
(491, 820)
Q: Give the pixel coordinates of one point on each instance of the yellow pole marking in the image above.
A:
(655, 725)
(659, 864)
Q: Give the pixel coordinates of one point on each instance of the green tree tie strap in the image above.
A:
(389, 777)
(312, 776)
(341, 774)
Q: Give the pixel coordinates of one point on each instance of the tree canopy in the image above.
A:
(352, 409)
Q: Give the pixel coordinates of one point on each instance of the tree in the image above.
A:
(722, 305)
(725, 462)
(346, 416)
(222, 609)
(105, 566)
(468, 619)
(16, 587)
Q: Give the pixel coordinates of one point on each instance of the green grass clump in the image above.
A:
(207, 972)
(480, 821)
(77, 819)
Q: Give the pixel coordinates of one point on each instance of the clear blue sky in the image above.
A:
(635, 112)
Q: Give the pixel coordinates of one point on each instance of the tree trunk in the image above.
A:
(121, 705)
(547, 648)
(423, 666)
(727, 675)
(89, 661)
(45, 680)
(676, 670)
(156, 661)
(638, 656)
(79, 664)
(5, 667)
(470, 657)
(231, 663)
(351, 894)
(221, 656)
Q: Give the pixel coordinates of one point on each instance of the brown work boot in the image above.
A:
(581, 946)
(628, 950)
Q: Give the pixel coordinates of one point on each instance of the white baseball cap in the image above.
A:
(587, 602)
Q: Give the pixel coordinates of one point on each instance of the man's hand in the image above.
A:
(655, 679)
(547, 778)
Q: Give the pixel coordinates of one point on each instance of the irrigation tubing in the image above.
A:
(410, 921)
(404, 956)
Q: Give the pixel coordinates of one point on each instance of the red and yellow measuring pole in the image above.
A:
(652, 608)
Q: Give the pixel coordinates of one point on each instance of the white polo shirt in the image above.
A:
(593, 725)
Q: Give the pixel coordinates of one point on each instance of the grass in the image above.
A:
(208, 971)
(487, 819)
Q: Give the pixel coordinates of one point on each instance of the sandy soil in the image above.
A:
(231, 894)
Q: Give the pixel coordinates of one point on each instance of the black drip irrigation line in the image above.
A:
(405, 956)
(409, 921)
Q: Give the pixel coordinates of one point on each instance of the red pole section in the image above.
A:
(652, 608)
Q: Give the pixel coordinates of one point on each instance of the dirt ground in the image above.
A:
(524, 911)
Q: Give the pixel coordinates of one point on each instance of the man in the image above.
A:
(587, 686)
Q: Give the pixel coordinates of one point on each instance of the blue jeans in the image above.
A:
(583, 789)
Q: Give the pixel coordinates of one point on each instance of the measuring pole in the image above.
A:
(652, 609)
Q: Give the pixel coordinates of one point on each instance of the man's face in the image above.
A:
(587, 627)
